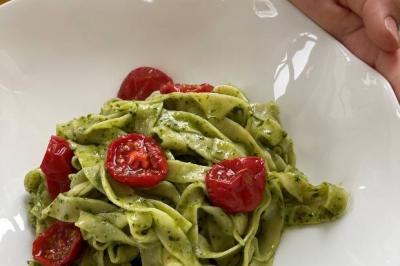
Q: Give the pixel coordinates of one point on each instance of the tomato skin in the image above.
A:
(169, 88)
(59, 245)
(136, 160)
(141, 82)
(237, 185)
(56, 165)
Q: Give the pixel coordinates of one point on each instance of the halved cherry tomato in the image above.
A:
(141, 82)
(169, 87)
(56, 165)
(59, 245)
(136, 160)
(237, 185)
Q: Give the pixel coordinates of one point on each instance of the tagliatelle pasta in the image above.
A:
(174, 223)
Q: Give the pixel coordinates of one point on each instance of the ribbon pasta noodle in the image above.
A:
(174, 223)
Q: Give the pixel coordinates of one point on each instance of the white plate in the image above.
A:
(59, 59)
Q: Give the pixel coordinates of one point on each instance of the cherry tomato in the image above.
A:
(56, 165)
(141, 82)
(169, 87)
(237, 185)
(136, 160)
(59, 245)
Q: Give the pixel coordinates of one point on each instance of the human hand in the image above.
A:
(368, 28)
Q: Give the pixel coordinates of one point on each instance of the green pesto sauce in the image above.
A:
(174, 223)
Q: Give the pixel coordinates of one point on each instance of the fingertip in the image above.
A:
(393, 29)
(381, 27)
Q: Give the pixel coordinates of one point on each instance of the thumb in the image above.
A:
(381, 22)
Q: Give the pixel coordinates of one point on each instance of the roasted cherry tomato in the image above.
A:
(56, 165)
(136, 160)
(59, 245)
(141, 82)
(237, 185)
(170, 87)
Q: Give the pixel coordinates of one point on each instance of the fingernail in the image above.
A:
(391, 26)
